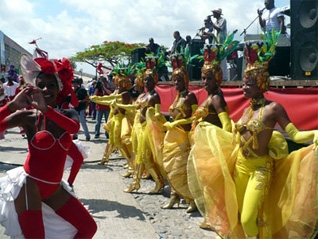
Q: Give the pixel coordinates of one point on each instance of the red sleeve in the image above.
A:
(72, 126)
(4, 112)
(78, 159)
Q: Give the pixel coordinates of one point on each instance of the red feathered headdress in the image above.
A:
(65, 72)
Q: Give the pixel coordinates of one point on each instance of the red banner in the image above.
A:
(301, 104)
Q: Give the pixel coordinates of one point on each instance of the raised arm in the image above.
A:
(292, 132)
(106, 99)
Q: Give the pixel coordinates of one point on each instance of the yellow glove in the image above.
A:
(157, 109)
(171, 125)
(127, 107)
(113, 103)
(106, 99)
(225, 120)
(300, 136)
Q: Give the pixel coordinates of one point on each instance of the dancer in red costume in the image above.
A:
(38, 184)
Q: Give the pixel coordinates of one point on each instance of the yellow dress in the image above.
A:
(289, 209)
(175, 155)
(118, 126)
(154, 133)
(136, 132)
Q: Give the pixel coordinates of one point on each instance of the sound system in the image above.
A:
(304, 39)
(194, 69)
(137, 55)
(279, 65)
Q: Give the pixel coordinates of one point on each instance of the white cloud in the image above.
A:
(69, 26)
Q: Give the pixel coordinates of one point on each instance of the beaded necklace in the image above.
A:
(254, 103)
(182, 93)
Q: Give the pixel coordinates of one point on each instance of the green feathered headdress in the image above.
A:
(140, 68)
(214, 54)
(153, 64)
(122, 75)
(258, 54)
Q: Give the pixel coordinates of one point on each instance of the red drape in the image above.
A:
(301, 104)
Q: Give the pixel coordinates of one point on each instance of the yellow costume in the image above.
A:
(136, 135)
(176, 142)
(287, 185)
(176, 151)
(150, 138)
(120, 124)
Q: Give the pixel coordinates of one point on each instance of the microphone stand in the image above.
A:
(244, 31)
(198, 33)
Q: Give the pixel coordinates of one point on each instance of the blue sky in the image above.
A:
(70, 26)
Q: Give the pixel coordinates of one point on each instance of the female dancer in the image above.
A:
(107, 126)
(136, 131)
(121, 121)
(213, 111)
(176, 142)
(254, 189)
(150, 141)
(39, 181)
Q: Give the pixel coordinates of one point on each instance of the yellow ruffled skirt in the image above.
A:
(155, 133)
(175, 159)
(289, 210)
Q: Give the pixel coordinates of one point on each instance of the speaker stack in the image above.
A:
(195, 69)
(304, 39)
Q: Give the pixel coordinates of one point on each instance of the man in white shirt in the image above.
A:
(271, 19)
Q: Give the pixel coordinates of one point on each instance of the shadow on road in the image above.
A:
(124, 211)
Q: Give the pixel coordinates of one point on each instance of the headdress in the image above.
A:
(140, 68)
(214, 54)
(61, 69)
(180, 63)
(65, 73)
(258, 54)
(122, 75)
(179, 68)
(153, 63)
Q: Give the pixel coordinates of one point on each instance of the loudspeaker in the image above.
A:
(137, 55)
(279, 65)
(194, 69)
(304, 39)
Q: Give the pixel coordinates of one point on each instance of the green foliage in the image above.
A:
(109, 52)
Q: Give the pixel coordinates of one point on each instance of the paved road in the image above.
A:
(119, 215)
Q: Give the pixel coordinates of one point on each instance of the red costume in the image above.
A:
(48, 154)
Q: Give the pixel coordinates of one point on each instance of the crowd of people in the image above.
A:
(239, 175)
